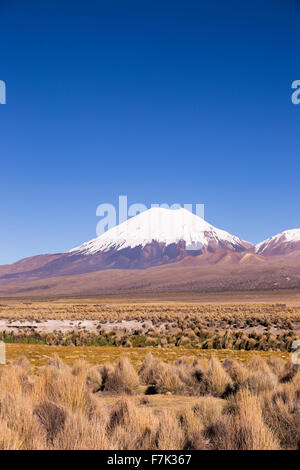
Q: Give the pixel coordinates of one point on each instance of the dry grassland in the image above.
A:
(187, 404)
(261, 327)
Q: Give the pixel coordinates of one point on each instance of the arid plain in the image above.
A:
(125, 372)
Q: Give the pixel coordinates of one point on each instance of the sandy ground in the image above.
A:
(290, 297)
(48, 326)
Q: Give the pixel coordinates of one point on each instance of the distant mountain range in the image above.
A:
(159, 249)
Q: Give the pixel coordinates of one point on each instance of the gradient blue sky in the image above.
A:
(165, 101)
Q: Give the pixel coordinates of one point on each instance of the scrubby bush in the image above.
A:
(120, 379)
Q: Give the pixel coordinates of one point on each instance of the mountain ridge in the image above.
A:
(153, 249)
(282, 243)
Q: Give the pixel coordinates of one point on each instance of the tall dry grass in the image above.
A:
(230, 405)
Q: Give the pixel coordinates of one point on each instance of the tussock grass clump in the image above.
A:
(281, 411)
(160, 377)
(216, 381)
(51, 417)
(242, 427)
(120, 379)
(237, 372)
(261, 378)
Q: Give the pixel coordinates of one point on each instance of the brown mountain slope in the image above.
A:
(277, 273)
(153, 254)
(65, 264)
(27, 264)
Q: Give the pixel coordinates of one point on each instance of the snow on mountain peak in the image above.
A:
(166, 226)
(279, 243)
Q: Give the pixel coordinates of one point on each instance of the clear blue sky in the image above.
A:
(165, 101)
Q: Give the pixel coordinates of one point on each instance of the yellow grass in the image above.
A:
(40, 354)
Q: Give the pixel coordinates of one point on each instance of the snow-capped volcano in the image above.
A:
(163, 227)
(155, 237)
(183, 252)
(281, 244)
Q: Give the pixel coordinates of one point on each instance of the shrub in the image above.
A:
(122, 379)
(52, 418)
(215, 380)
